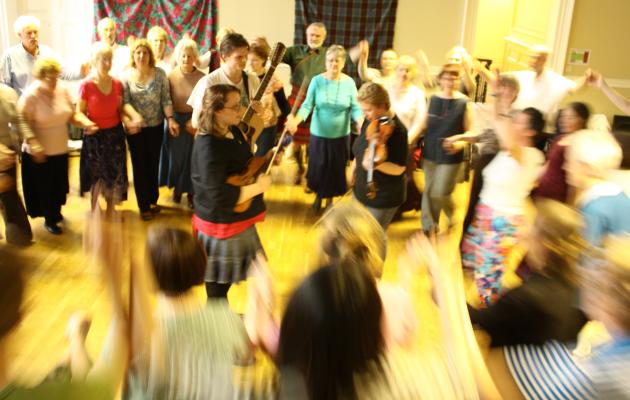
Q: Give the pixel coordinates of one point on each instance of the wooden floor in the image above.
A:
(62, 280)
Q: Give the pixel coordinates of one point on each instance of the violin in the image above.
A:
(377, 134)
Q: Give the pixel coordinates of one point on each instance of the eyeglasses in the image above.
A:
(235, 107)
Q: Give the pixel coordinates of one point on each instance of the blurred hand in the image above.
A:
(257, 106)
(364, 49)
(36, 150)
(291, 124)
(133, 126)
(91, 128)
(264, 181)
(594, 78)
(173, 127)
(190, 129)
(85, 69)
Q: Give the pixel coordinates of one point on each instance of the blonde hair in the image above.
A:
(45, 66)
(374, 94)
(558, 230)
(157, 32)
(598, 150)
(186, 44)
(349, 233)
(23, 21)
(610, 277)
(409, 63)
(98, 49)
(141, 43)
(103, 22)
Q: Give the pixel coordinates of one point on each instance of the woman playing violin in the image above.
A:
(386, 192)
(220, 150)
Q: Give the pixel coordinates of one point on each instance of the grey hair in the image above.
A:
(23, 21)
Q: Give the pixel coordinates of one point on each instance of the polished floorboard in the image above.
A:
(61, 279)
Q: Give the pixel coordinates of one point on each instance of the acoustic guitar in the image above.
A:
(251, 125)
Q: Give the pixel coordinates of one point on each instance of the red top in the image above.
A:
(223, 231)
(553, 182)
(102, 109)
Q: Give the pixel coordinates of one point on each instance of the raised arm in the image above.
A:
(105, 237)
(448, 289)
(617, 99)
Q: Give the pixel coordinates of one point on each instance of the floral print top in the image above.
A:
(148, 99)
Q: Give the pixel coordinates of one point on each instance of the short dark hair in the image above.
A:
(331, 330)
(177, 259)
(231, 42)
(581, 109)
(11, 290)
(536, 120)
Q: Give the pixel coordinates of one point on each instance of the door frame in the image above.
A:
(558, 34)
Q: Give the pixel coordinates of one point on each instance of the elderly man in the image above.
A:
(17, 62)
(541, 88)
(306, 61)
(107, 34)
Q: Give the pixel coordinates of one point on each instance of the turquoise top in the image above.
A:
(332, 102)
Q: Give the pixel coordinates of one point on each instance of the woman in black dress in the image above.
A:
(220, 150)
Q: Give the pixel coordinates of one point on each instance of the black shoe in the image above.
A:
(154, 208)
(58, 218)
(53, 228)
(317, 204)
(177, 197)
(146, 215)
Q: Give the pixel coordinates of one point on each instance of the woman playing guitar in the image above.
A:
(380, 154)
(221, 150)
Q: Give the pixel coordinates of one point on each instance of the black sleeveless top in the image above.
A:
(446, 118)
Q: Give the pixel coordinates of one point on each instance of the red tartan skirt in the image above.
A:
(303, 133)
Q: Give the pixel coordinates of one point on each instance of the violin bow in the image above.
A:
(298, 100)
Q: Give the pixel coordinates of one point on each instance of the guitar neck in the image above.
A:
(259, 94)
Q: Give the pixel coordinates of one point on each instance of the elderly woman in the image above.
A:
(177, 150)
(48, 108)
(147, 90)
(410, 105)
(104, 153)
(332, 98)
(17, 227)
(158, 39)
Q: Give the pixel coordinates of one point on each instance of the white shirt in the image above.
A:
(507, 183)
(543, 93)
(409, 104)
(120, 60)
(216, 77)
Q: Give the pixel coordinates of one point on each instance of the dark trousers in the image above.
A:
(18, 229)
(45, 186)
(144, 148)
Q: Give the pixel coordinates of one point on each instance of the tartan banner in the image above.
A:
(349, 21)
(136, 17)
